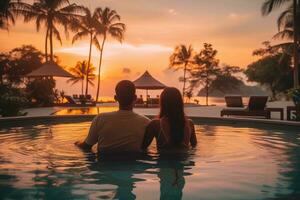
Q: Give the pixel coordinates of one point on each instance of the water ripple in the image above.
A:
(230, 163)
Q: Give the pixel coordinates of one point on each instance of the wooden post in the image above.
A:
(147, 98)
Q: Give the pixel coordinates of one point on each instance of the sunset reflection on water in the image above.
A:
(230, 162)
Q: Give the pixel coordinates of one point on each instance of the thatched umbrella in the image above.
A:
(148, 82)
(49, 69)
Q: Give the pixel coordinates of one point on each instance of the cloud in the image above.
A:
(172, 11)
(114, 48)
(239, 17)
(126, 70)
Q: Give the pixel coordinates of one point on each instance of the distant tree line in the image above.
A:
(203, 69)
(97, 26)
(17, 91)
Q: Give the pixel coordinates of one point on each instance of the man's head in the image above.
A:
(125, 94)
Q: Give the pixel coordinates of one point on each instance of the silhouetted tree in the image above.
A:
(9, 9)
(206, 68)
(81, 71)
(4, 66)
(110, 26)
(182, 58)
(50, 14)
(88, 26)
(288, 23)
(227, 80)
(273, 70)
(23, 60)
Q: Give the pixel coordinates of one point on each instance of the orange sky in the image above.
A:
(154, 28)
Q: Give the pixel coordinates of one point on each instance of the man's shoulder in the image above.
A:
(142, 117)
(105, 115)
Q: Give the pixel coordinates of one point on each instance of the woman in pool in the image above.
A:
(172, 129)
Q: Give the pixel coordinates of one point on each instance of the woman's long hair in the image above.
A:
(171, 107)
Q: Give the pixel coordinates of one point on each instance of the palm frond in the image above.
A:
(96, 42)
(79, 35)
(56, 34)
(269, 5)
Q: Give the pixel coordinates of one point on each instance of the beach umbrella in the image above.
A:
(49, 69)
(148, 82)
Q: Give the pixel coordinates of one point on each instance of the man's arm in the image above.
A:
(149, 135)
(92, 137)
(83, 145)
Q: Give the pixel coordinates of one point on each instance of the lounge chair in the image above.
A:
(71, 100)
(153, 102)
(89, 97)
(139, 102)
(234, 101)
(256, 108)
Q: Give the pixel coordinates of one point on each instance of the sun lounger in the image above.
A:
(256, 108)
(139, 103)
(234, 101)
(153, 102)
(71, 100)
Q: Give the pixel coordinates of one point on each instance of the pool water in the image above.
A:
(230, 162)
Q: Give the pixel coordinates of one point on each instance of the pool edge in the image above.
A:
(6, 120)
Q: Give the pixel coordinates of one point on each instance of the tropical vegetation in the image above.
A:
(82, 71)
(288, 26)
(111, 26)
(227, 79)
(50, 14)
(182, 58)
(12, 101)
(273, 69)
(295, 95)
(203, 69)
(89, 26)
(206, 68)
(102, 23)
(41, 92)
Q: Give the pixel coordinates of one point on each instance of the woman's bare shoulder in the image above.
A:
(190, 122)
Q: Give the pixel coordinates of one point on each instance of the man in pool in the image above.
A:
(120, 131)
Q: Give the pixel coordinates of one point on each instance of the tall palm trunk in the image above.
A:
(206, 89)
(82, 85)
(184, 80)
(296, 52)
(51, 41)
(100, 63)
(89, 64)
(46, 44)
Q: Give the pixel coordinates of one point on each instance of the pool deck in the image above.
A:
(194, 111)
(203, 114)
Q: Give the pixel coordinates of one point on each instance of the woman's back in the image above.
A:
(160, 130)
(172, 130)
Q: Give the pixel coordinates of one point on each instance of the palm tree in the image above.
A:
(182, 58)
(6, 15)
(81, 72)
(52, 13)
(9, 10)
(291, 15)
(110, 26)
(87, 27)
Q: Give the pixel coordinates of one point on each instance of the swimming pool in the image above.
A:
(39, 161)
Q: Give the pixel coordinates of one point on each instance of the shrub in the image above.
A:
(295, 95)
(12, 101)
(41, 91)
